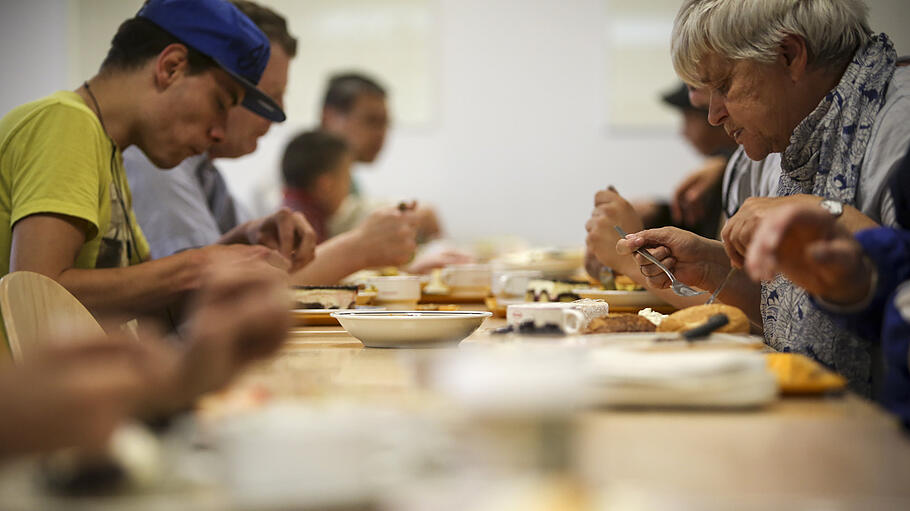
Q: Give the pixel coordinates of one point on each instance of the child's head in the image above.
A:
(320, 164)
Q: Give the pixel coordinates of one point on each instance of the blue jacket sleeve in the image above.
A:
(889, 250)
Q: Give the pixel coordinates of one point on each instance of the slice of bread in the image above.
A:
(691, 317)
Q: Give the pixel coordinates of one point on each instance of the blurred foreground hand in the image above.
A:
(76, 393)
(809, 247)
(240, 314)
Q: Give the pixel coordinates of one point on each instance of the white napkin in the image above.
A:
(732, 378)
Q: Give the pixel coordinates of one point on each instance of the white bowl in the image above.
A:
(403, 329)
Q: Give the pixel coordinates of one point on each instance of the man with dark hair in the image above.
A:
(173, 73)
(190, 206)
(355, 109)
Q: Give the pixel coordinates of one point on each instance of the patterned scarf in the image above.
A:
(824, 158)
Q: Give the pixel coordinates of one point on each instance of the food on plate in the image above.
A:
(554, 263)
(799, 374)
(691, 317)
(592, 309)
(652, 315)
(437, 307)
(620, 322)
(543, 255)
(625, 283)
(436, 286)
(324, 297)
(362, 278)
(540, 290)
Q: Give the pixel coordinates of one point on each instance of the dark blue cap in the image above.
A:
(217, 29)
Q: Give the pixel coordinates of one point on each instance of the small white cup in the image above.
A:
(563, 315)
(467, 277)
(401, 291)
(512, 283)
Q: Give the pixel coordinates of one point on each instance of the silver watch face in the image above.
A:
(834, 207)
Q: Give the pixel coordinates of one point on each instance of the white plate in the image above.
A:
(403, 329)
(551, 262)
(623, 299)
(646, 339)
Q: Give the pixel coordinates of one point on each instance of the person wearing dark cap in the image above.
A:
(170, 77)
(696, 202)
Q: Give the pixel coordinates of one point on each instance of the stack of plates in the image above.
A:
(710, 379)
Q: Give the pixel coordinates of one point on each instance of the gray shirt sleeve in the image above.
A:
(169, 204)
(745, 178)
(885, 152)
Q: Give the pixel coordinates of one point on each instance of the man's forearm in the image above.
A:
(135, 290)
(336, 258)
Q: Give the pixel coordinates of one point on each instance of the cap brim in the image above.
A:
(257, 101)
(677, 100)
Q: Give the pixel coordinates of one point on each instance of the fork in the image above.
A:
(722, 284)
(678, 287)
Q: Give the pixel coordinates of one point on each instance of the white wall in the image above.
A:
(33, 56)
(519, 144)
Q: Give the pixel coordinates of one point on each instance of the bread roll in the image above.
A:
(691, 317)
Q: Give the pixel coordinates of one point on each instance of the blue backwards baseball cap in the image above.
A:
(217, 29)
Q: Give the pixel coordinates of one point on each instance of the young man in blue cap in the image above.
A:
(190, 205)
(172, 74)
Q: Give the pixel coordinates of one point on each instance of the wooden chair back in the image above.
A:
(36, 310)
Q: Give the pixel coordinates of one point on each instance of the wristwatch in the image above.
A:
(832, 206)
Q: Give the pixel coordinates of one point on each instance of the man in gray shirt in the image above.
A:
(175, 208)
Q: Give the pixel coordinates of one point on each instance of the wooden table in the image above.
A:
(838, 451)
(830, 452)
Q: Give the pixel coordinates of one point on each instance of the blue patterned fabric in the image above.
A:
(824, 158)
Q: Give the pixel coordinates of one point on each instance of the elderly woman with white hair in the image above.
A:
(809, 92)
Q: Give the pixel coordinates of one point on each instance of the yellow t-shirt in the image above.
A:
(56, 158)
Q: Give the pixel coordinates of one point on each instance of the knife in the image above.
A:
(701, 331)
(714, 322)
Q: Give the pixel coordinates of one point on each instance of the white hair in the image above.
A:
(754, 29)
